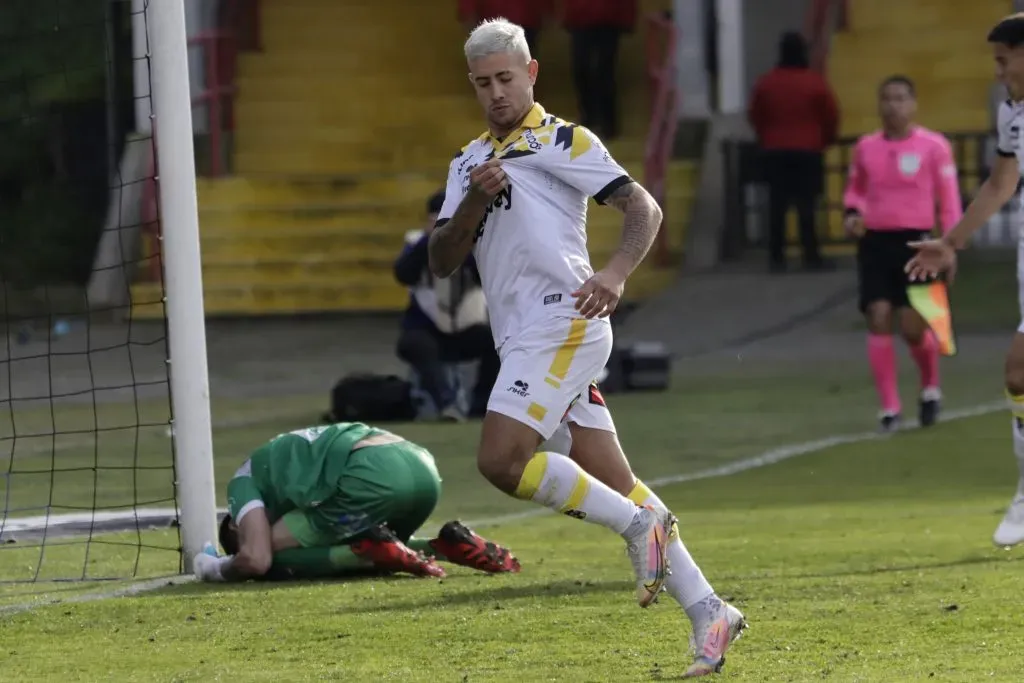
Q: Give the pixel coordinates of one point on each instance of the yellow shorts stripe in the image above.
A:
(567, 351)
(533, 474)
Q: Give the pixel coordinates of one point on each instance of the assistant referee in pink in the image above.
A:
(898, 177)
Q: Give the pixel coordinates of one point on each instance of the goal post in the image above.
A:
(183, 280)
(106, 456)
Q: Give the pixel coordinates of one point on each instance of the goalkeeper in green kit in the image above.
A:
(335, 500)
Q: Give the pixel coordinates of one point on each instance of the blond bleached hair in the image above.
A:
(497, 36)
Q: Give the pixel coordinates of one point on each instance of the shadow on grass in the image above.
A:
(485, 595)
(505, 591)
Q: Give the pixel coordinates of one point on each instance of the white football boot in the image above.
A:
(1011, 530)
(647, 546)
(712, 635)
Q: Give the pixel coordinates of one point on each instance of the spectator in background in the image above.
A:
(596, 26)
(897, 178)
(529, 14)
(445, 322)
(794, 114)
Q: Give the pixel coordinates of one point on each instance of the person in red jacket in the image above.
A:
(596, 27)
(529, 14)
(794, 113)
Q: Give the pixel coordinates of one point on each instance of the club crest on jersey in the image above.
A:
(910, 164)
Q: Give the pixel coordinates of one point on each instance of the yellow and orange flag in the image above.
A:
(931, 300)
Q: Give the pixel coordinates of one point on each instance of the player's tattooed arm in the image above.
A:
(451, 241)
(642, 220)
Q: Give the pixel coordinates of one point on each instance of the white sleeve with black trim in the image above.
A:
(580, 159)
(1007, 131)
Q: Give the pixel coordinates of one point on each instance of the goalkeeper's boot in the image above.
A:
(647, 539)
(713, 633)
(388, 553)
(1011, 530)
(458, 544)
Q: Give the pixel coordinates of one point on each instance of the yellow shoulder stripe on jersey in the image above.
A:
(544, 130)
(581, 143)
(536, 120)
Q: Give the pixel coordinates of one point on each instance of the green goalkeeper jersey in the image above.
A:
(296, 470)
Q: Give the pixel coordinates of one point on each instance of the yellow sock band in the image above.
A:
(1016, 405)
(640, 495)
(533, 475)
(579, 491)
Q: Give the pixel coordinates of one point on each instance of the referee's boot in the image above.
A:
(889, 423)
(930, 406)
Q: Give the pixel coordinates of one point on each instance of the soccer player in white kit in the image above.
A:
(939, 255)
(517, 199)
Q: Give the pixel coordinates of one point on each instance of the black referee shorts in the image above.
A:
(881, 258)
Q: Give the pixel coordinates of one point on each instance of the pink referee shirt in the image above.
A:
(896, 184)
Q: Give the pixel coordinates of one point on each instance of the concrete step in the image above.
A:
(323, 87)
(269, 299)
(315, 270)
(284, 219)
(339, 160)
(235, 191)
(383, 244)
(260, 299)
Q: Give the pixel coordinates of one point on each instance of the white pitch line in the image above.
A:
(124, 591)
(769, 457)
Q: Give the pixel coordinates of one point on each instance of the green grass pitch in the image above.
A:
(865, 562)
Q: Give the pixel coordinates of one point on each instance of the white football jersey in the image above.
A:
(531, 246)
(1009, 131)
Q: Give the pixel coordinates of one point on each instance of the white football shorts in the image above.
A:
(549, 374)
(1020, 280)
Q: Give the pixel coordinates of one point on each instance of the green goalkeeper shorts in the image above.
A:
(394, 484)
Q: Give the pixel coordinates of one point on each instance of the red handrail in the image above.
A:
(238, 28)
(662, 42)
(219, 54)
(823, 16)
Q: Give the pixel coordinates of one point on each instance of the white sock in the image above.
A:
(212, 568)
(558, 483)
(686, 582)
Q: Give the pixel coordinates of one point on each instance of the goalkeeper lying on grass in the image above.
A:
(335, 500)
